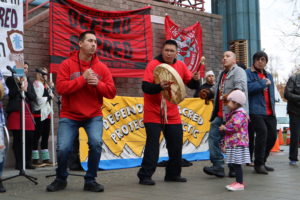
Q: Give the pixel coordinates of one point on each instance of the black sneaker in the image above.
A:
(269, 169)
(93, 187)
(57, 185)
(29, 166)
(260, 169)
(213, 170)
(2, 189)
(147, 181)
(175, 179)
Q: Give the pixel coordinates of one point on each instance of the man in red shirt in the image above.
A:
(152, 118)
(82, 81)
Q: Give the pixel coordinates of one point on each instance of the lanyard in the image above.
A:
(79, 63)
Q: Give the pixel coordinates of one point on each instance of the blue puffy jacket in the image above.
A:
(256, 86)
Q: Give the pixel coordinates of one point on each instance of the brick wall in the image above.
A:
(37, 37)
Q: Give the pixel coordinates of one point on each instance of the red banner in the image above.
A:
(124, 37)
(189, 42)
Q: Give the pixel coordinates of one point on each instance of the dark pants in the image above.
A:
(18, 149)
(42, 129)
(295, 132)
(266, 134)
(238, 172)
(173, 135)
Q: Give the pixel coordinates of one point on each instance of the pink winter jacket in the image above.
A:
(236, 129)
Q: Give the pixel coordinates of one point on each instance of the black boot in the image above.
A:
(2, 189)
(214, 170)
(260, 169)
(269, 169)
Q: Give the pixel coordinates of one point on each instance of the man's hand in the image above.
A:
(268, 82)
(196, 76)
(91, 77)
(222, 128)
(92, 80)
(165, 85)
(204, 93)
(87, 73)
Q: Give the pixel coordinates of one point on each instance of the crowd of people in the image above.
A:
(243, 120)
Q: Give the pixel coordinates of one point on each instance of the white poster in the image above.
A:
(11, 36)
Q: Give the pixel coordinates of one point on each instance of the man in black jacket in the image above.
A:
(292, 94)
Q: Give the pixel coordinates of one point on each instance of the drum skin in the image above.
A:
(165, 72)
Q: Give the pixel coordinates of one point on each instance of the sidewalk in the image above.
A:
(283, 184)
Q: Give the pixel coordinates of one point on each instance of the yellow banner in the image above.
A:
(124, 133)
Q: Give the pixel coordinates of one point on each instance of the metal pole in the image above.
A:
(23, 131)
(52, 127)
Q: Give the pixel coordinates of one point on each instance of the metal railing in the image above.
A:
(192, 4)
(27, 11)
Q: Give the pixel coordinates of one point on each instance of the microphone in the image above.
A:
(11, 69)
(41, 72)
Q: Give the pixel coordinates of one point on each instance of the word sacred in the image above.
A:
(8, 18)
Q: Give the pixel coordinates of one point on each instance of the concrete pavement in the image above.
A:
(283, 184)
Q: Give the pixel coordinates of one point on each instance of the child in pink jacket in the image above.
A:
(236, 137)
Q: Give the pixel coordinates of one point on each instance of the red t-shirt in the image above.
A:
(152, 101)
(266, 95)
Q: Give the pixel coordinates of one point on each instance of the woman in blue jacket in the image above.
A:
(261, 110)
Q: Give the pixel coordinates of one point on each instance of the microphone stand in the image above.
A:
(22, 122)
(58, 102)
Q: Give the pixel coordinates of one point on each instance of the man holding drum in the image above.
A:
(167, 120)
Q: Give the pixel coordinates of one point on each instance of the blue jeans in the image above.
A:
(214, 139)
(67, 132)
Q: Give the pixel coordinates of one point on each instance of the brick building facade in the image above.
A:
(37, 36)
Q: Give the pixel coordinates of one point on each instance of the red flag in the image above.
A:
(124, 37)
(189, 42)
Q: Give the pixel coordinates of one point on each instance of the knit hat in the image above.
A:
(210, 72)
(237, 96)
